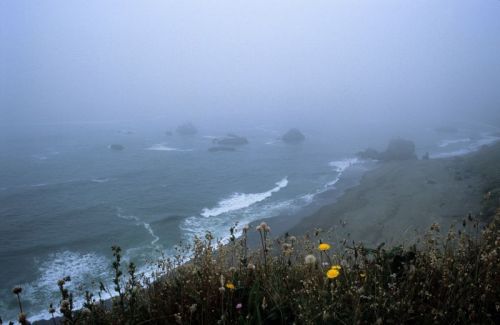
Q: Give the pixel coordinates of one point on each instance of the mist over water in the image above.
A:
(77, 78)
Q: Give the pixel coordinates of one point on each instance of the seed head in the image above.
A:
(310, 259)
(17, 290)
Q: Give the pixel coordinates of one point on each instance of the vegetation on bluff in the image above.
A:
(451, 277)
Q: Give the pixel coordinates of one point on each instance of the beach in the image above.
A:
(396, 202)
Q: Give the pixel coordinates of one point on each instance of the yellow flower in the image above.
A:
(332, 273)
(324, 247)
(336, 267)
(362, 274)
(230, 286)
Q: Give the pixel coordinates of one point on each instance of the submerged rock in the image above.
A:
(231, 140)
(116, 147)
(217, 149)
(293, 136)
(186, 129)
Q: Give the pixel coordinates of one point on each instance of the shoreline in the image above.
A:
(331, 208)
(396, 201)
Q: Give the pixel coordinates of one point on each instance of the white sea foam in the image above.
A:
(100, 180)
(446, 143)
(81, 267)
(40, 157)
(238, 201)
(139, 222)
(39, 185)
(239, 207)
(340, 166)
(163, 147)
(486, 139)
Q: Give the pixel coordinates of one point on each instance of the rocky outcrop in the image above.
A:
(398, 149)
(293, 136)
(231, 140)
(186, 129)
(116, 147)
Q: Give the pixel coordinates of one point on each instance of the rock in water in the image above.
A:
(116, 147)
(186, 129)
(217, 149)
(293, 136)
(231, 140)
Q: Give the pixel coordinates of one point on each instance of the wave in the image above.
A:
(100, 180)
(340, 166)
(139, 222)
(82, 267)
(239, 201)
(163, 147)
(486, 139)
(39, 185)
(40, 157)
(446, 143)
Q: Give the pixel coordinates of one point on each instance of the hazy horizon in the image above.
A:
(325, 63)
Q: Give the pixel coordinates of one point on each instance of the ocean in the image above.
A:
(66, 197)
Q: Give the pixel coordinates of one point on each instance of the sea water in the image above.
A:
(66, 197)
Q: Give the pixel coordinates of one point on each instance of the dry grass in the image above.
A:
(447, 278)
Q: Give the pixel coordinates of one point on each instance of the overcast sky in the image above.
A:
(100, 60)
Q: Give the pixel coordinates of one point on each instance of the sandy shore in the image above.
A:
(399, 200)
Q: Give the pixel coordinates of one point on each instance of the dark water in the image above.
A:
(65, 197)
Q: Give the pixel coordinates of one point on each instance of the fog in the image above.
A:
(324, 64)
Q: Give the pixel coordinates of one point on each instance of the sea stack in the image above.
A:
(293, 136)
(186, 129)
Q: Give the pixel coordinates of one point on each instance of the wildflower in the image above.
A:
(232, 269)
(178, 318)
(251, 266)
(263, 227)
(22, 318)
(239, 306)
(65, 304)
(293, 239)
(332, 273)
(324, 247)
(287, 248)
(230, 285)
(192, 308)
(362, 274)
(17, 290)
(310, 259)
(336, 267)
